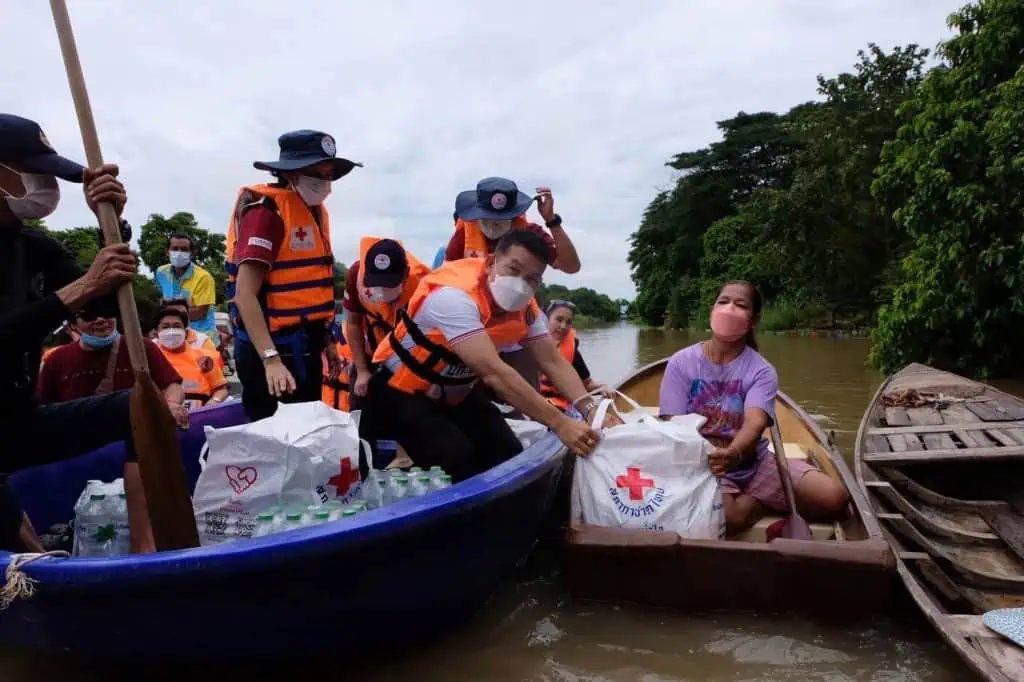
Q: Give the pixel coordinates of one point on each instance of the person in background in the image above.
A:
(181, 278)
(727, 381)
(99, 364)
(195, 339)
(430, 367)
(281, 275)
(42, 285)
(560, 316)
(336, 390)
(202, 381)
(377, 287)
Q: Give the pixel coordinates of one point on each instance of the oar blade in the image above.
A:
(155, 435)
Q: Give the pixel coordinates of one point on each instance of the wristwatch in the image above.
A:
(269, 354)
(554, 222)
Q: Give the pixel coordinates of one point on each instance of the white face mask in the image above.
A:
(180, 259)
(495, 229)
(171, 337)
(312, 190)
(42, 194)
(511, 293)
(383, 294)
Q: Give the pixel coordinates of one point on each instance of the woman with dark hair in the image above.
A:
(560, 316)
(727, 381)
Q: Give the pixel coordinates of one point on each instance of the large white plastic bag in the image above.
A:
(652, 475)
(306, 453)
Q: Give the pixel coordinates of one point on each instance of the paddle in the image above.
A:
(794, 527)
(153, 428)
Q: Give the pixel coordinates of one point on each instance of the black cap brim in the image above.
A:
(342, 167)
(51, 164)
(467, 208)
(383, 279)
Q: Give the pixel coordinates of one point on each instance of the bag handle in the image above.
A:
(369, 452)
(204, 454)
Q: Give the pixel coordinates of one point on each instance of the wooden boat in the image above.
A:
(941, 459)
(845, 572)
(409, 572)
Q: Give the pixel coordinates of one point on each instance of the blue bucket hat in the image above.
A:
(304, 148)
(493, 199)
(22, 142)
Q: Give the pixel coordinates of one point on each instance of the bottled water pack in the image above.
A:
(101, 520)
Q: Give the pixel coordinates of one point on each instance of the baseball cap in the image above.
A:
(385, 264)
(23, 142)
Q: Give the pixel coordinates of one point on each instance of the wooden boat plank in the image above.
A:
(1005, 654)
(1016, 433)
(1009, 525)
(960, 454)
(972, 427)
(877, 444)
(957, 413)
(897, 416)
(912, 487)
(924, 416)
(1002, 437)
(988, 411)
(962, 527)
(972, 439)
(938, 441)
(1012, 408)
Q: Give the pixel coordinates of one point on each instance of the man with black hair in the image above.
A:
(446, 344)
(181, 278)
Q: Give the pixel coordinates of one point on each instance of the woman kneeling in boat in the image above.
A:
(560, 316)
(727, 381)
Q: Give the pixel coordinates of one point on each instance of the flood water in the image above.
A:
(532, 631)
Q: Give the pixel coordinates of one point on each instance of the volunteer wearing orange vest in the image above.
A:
(560, 316)
(430, 368)
(198, 340)
(336, 390)
(380, 283)
(494, 208)
(201, 379)
(281, 275)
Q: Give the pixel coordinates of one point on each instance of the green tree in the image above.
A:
(588, 302)
(952, 178)
(208, 248)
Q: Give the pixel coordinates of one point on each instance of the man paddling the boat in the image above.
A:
(41, 285)
(427, 391)
(281, 274)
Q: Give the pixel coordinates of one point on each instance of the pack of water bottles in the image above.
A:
(101, 520)
(382, 487)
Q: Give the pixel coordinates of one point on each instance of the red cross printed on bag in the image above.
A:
(634, 483)
(344, 479)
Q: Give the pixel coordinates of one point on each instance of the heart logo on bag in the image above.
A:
(240, 478)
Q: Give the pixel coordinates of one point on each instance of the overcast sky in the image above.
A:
(590, 98)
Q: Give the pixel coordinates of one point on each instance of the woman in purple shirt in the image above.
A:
(727, 381)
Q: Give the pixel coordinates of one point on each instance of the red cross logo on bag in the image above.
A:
(635, 483)
(344, 479)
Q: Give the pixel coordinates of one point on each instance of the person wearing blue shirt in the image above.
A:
(183, 279)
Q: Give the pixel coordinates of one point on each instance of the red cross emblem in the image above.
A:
(634, 482)
(344, 479)
(301, 234)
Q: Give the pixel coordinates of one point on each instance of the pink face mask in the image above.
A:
(729, 323)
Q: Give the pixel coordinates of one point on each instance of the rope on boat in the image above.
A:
(18, 584)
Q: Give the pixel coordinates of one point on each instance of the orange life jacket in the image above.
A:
(568, 350)
(423, 362)
(336, 393)
(381, 317)
(299, 287)
(198, 385)
(476, 243)
(204, 344)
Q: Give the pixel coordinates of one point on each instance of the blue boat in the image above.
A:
(391, 577)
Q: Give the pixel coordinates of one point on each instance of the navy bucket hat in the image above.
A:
(304, 148)
(493, 199)
(22, 142)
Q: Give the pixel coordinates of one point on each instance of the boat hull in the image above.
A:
(395, 576)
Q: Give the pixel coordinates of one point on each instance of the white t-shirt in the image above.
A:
(456, 315)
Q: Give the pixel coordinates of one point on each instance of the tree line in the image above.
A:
(894, 202)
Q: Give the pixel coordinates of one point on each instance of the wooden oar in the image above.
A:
(153, 428)
(795, 526)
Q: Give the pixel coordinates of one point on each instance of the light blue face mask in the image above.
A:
(98, 342)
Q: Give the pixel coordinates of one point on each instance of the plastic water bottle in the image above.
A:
(348, 513)
(360, 506)
(435, 473)
(266, 524)
(321, 516)
(95, 528)
(420, 485)
(292, 520)
(401, 490)
(413, 471)
(443, 481)
(123, 544)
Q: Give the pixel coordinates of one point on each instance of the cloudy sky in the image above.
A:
(590, 98)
